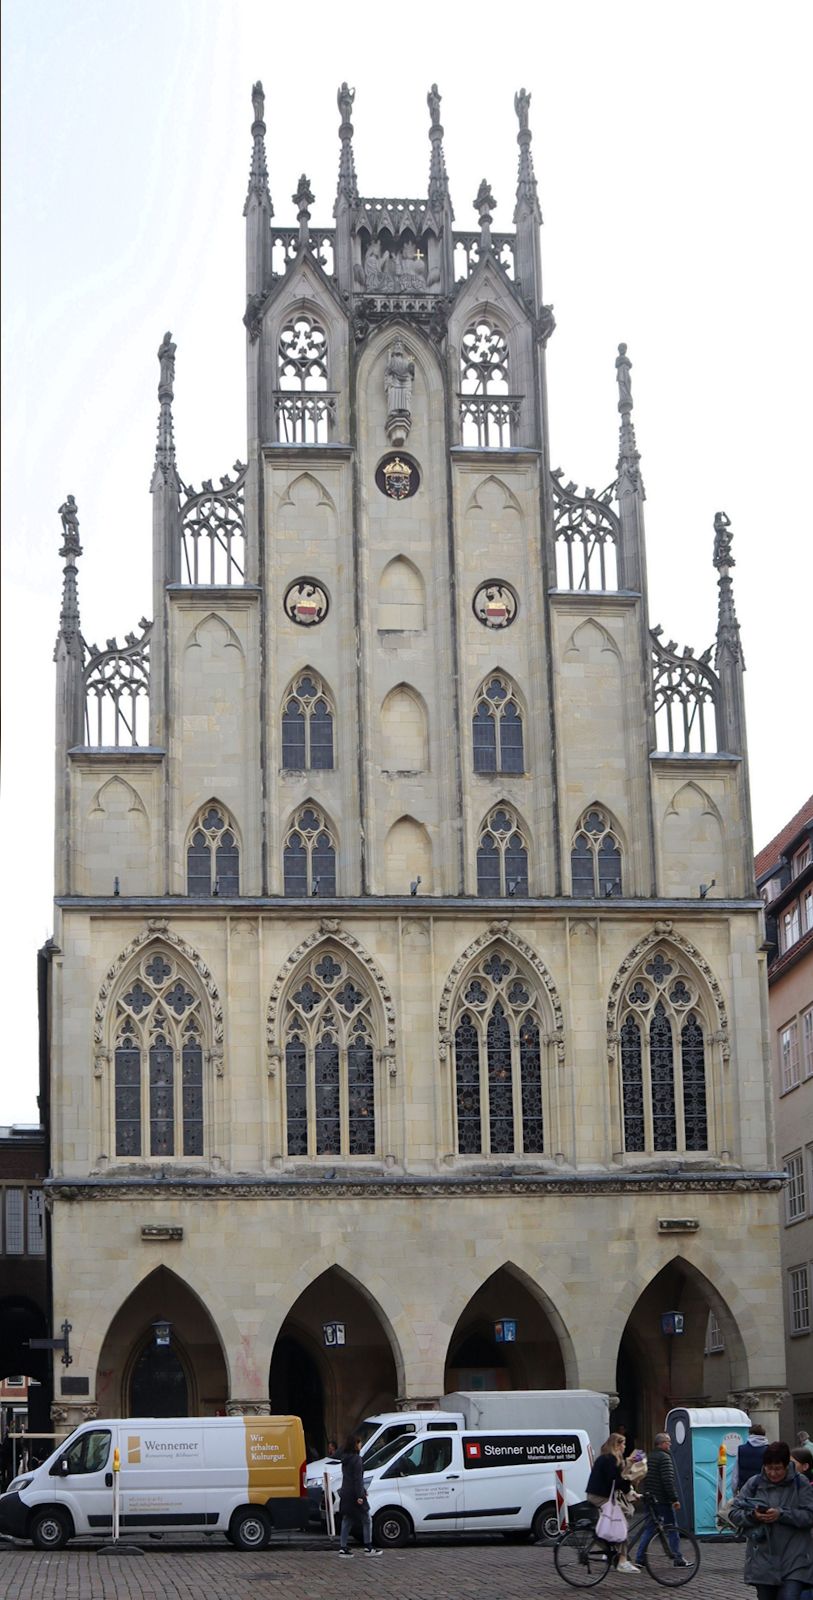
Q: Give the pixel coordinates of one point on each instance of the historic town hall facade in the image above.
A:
(406, 972)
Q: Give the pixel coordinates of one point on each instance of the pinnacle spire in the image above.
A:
(628, 454)
(527, 194)
(348, 189)
(165, 447)
(438, 177)
(70, 552)
(258, 175)
(729, 647)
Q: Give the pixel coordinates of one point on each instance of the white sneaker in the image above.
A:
(627, 1566)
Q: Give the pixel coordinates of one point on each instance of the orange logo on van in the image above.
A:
(134, 1450)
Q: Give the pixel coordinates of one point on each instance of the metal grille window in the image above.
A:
(158, 1062)
(22, 1220)
(35, 1219)
(309, 856)
(715, 1341)
(329, 1062)
(663, 1089)
(498, 1062)
(14, 1240)
(795, 1203)
(497, 728)
(789, 1056)
(799, 1299)
(307, 726)
(502, 855)
(213, 854)
(595, 856)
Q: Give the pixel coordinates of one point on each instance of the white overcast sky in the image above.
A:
(672, 148)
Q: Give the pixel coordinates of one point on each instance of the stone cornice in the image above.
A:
(454, 906)
(167, 1187)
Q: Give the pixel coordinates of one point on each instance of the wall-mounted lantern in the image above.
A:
(161, 1329)
(671, 1323)
(505, 1331)
(334, 1334)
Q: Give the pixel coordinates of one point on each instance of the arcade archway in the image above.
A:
(137, 1376)
(332, 1386)
(478, 1358)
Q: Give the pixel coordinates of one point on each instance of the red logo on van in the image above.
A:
(473, 1452)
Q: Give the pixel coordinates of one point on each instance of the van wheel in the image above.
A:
(250, 1529)
(49, 1530)
(544, 1526)
(391, 1528)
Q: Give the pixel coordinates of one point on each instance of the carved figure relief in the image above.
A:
(394, 271)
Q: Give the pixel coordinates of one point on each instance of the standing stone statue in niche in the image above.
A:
(398, 376)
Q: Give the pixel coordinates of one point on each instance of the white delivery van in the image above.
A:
(535, 1408)
(240, 1476)
(378, 1434)
(477, 1481)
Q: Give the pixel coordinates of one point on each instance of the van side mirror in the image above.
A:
(60, 1468)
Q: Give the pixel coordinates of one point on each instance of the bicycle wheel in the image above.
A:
(664, 1565)
(582, 1559)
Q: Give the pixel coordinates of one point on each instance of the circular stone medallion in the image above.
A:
(306, 602)
(397, 476)
(495, 604)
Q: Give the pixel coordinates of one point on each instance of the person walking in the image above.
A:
(775, 1508)
(607, 1475)
(749, 1457)
(661, 1485)
(353, 1503)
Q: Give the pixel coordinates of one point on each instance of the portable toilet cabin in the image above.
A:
(697, 1433)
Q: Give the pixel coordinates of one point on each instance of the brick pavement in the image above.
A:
(482, 1570)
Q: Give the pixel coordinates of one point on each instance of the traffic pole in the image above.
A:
(722, 1459)
(561, 1500)
(329, 1517)
(116, 1480)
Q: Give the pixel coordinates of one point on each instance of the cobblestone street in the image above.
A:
(483, 1571)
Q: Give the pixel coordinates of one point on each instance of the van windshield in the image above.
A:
(385, 1452)
(365, 1431)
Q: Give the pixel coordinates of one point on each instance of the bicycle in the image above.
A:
(583, 1559)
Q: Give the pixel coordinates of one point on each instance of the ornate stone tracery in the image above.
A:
(588, 536)
(330, 929)
(664, 933)
(213, 530)
(157, 932)
(498, 933)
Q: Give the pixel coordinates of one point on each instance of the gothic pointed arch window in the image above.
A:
(502, 855)
(489, 414)
(665, 1103)
(305, 411)
(496, 727)
(212, 853)
(595, 856)
(498, 1087)
(309, 855)
(330, 1051)
(307, 725)
(160, 1036)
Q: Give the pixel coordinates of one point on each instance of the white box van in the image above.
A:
(241, 1476)
(476, 1481)
(378, 1434)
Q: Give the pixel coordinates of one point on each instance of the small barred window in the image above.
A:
(595, 856)
(213, 854)
(502, 855)
(309, 856)
(497, 728)
(307, 726)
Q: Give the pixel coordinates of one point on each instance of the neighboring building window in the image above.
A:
(801, 860)
(22, 1221)
(807, 911)
(212, 854)
(36, 1223)
(799, 1299)
(807, 1042)
(158, 1061)
(714, 1337)
(309, 857)
(498, 1062)
(329, 1062)
(497, 728)
(789, 1056)
(595, 856)
(502, 855)
(791, 927)
(14, 1219)
(307, 726)
(795, 1207)
(663, 1059)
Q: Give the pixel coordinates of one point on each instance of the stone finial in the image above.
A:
(485, 204)
(165, 448)
(527, 193)
(438, 178)
(348, 189)
(303, 199)
(629, 458)
(258, 190)
(70, 552)
(729, 647)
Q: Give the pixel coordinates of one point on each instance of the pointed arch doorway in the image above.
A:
(137, 1377)
(476, 1359)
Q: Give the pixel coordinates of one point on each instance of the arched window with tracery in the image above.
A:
(159, 1040)
(497, 728)
(329, 1035)
(307, 725)
(489, 415)
(595, 856)
(309, 856)
(502, 855)
(663, 1036)
(305, 411)
(213, 853)
(498, 1106)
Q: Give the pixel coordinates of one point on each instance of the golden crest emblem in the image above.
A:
(397, 478)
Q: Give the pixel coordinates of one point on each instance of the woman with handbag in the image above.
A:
(605, 1482)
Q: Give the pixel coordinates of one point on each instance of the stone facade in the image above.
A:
(406, 970)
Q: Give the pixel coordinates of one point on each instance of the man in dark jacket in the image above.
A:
(353, 1503)
(661, 1485)
(749, 1457)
